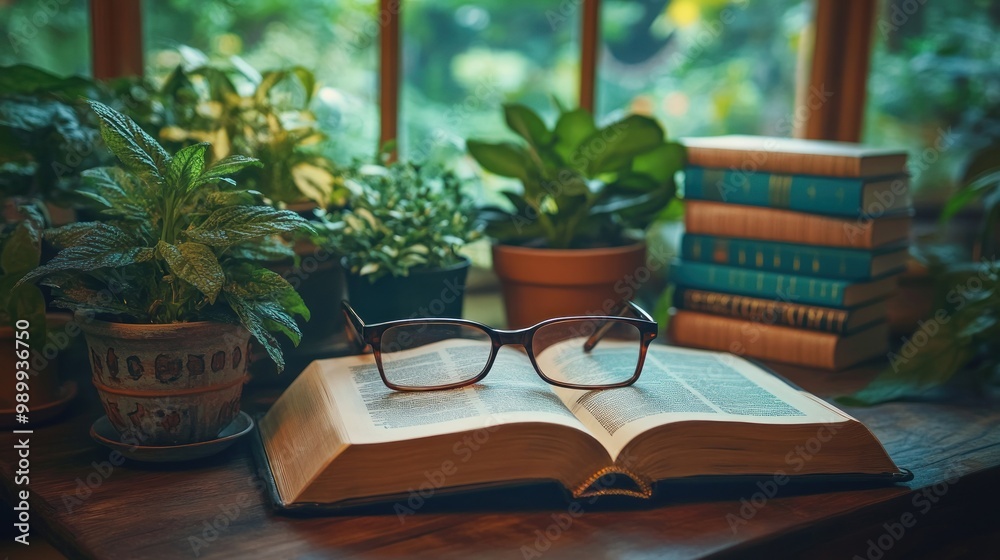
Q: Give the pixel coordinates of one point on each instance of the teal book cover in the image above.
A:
(791, 288)
(836, 196)
(789, 258)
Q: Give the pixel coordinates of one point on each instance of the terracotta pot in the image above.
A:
(167, 384)
(44, 381)
(540, 284)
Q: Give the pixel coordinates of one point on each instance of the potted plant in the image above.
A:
(47, 137)
(566, 242)
(169, 287)
(22, 315)
(956, 344)
(401, 240)
(267, 116)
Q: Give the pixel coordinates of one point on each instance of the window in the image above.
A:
(700, 66)
(52, 35)
(705, 67)
(335, 39)
(461, 60)
(934, 86)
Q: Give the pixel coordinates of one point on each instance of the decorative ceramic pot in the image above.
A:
(433, 292)
(539, 284)
(167, 384)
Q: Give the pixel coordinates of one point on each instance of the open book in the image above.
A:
(339, 436)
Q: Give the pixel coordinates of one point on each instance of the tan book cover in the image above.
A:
(794, 156)
(770, 224)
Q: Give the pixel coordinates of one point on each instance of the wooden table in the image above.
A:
(90, 508)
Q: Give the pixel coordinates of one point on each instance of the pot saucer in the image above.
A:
(104, 433)
(41, 413)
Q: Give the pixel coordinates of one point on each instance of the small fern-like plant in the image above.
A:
(179, 243)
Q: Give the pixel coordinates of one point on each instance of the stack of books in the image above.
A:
(791, 249)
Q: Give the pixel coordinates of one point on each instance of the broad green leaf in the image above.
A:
(85, 257)
(571, 130)
(103, 246)
(978, 187)
(25, 117)
(270, 249)
(196, 264)
(617, 144)
(520, 204)
(236, 224)
(26, 302)
(314, 182)
(634, 183)
(275, 319)
(661, 163)
(234, 198)
(916, 372)
(78, 292)
(225, 167)
(70, 234)
(22, 250)
(265, 284)
(307, 79)
(674, 211)
(187, 166)
(119, 191)
(527, 124)
(291, 302)
(504, 159)
(137, 150)
(253, 322)
(26, 79)
(245, 69)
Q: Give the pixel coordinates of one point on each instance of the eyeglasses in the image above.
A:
(584, 352)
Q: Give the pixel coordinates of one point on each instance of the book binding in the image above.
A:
(648, 491)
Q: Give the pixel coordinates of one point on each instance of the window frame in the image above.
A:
(841, 58)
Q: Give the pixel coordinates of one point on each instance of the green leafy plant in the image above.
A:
(263, 115)
(957, 345)
(20, 253)
(178, 244)
(583, 185)
(402, 217)
(47, 136)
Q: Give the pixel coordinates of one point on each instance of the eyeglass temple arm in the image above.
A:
(355, 326)
(606, 325)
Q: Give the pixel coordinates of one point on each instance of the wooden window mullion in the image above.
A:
(389, 14)
(116, 38)
(590, 39)
(840, 63)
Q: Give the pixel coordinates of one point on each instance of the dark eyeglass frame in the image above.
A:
(366, 336)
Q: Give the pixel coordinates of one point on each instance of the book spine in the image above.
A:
(818, 195)
(768, 224)
(776, 162)
(763, 310)
(787, 258)
(755, 339)
(770, 285)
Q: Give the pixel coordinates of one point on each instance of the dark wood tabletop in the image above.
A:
(90, 508)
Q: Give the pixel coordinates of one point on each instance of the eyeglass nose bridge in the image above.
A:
(516, 337)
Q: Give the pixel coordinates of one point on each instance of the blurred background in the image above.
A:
(703, 67)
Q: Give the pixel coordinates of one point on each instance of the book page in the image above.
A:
(511, 392)
(680, 384)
